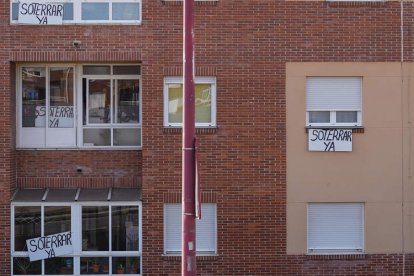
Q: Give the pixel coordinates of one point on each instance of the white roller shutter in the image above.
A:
(333, 93)
(335, 227)
(205, 229)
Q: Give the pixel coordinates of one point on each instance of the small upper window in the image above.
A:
(206, 230)
(205, 101)
(334, 101)
(335, 228)
(80, 11)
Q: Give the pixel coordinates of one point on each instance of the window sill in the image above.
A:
(83, 148)
(355, 129)
(336, 256)
(355, 3)
(198, 130)
(197, 2)
(206, 257)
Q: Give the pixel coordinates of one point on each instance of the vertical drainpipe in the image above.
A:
(402, 133)
(188, 246)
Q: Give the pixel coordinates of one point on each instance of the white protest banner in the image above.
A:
(330, 140)
(40, 13)
(50, 246)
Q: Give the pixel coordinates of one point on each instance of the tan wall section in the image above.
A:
(371, 173)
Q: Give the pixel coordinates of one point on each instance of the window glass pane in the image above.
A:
(27, 223)
(99, 101)
(127, 70)
(59, 266)
(127, 103)
(96, 70)
(33, 97)
(61, 114)
(125, 229)
(175, 103)
(127, 137)
(15, 11)
(319, 117)
(95, 224)
(95, 11)
(203, 103)
(125, 11)
(96, 137)
(94, 265)
(67, 11)
(346, 116)
(57, 219)
(23, 266)
(125, 265)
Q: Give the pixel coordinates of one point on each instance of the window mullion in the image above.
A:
(110, 238)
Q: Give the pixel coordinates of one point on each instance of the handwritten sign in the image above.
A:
(59, 116)
(50, 246)
(330, 140)
(40, 13)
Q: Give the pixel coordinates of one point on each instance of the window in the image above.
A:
(333, 101)
(205, 101)
(106, 237)
(335, 228)
(104, 113)
(206, 229)
(93, 11)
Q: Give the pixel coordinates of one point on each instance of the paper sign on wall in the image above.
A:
(32, 12)
(330, 140)
(50, 246)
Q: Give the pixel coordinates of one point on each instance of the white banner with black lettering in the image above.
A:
(50, 246)
(40, 13)
(330, 140)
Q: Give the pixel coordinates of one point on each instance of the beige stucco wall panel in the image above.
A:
(296, 228)
(409, 227)
(371, 173)
(383, 224)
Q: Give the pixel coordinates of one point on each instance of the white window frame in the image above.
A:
(76, 229)
(78, 106)
(198, 253)
(336, 250)
(19, 103)
(111, 125)
(197, 80)
(332, 112)
(77, 12)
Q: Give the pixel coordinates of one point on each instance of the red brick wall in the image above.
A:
(243, 162)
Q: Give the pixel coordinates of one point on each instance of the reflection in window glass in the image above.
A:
(59, 266)
(33, 97)
(127, 137)
(202, 103)
(27, 223)
(61, 114)
(127, 105)
(125, 231)
(67, 11)
(125, 265)
(96, 70)
(95, 11)
(127, 70)
(346, 116)
(95, 228)
(319, 116)
(23, 266)
(96, 137)
(56, 219)
(125, 11)
(99, 101)
(94, 265)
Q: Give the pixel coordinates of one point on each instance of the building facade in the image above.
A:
(303, 113)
